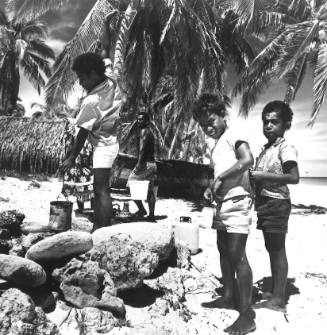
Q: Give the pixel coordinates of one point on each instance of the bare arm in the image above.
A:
(77, 147)
(290, 174)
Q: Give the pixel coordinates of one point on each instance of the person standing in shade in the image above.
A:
(145, 168)
(98, 121)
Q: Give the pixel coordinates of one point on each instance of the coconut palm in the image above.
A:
(299, 44)
(22, 48)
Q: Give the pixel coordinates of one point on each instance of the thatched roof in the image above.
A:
(31, 146)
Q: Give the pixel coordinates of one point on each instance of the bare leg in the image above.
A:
(141, 210)
(151, 202)
(228, 275)
(237, 256)
(275, 245)
(102, 199)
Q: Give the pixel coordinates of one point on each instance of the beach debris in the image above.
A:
(21, 271)
(17, 248)
(183, 255)
(5, 246)
(308, 209)
(19, 316)
(34, 184)
(128, 262)
(12, 220)
(156, 237)
(59, 246)
(90, 320)
(171, 282)
(84, 284)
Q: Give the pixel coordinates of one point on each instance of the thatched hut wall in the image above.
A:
(31, 146)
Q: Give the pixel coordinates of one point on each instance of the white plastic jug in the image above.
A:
(187, 232)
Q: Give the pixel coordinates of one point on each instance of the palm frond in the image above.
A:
(295, 78)
(26, 10)
(31, 71)
(319, 82)
(301, 44)
(41, 62)
(40, 48)
(63, 78)
(33, 29)
(3, 18)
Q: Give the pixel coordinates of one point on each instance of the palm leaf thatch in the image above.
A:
(30, 146)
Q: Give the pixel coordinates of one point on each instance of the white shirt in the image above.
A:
(223, 156)
(99, 115)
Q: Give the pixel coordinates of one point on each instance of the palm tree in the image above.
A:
(299, 44)
(22, 48)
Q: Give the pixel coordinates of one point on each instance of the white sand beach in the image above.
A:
(306, 245)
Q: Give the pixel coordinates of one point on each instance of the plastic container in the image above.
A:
(188, 233)
(139, 189)
(60, 215)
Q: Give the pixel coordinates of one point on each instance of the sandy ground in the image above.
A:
(306, 245)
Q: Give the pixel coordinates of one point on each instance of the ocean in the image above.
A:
(310, 191)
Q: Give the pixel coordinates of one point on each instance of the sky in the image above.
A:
(311, 143)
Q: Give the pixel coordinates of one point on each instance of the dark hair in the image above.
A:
(210, 104)
(88, 62)
(284, 110)
(145, 114)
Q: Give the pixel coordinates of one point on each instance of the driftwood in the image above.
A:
(176, 179)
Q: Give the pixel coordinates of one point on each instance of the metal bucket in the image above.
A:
(61, 215)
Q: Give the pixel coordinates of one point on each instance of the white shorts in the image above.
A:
(103, 157)
(234, 215)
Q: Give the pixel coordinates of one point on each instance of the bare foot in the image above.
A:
(275, 305)
(266, 295)
(272, 304)
(244, 324)
(219, 303)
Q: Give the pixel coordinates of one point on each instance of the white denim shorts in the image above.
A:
(103, 157)
(234, 215)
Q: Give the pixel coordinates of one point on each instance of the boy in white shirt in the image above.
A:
(231, 158)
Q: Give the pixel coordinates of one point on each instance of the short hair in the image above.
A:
(145, 114)
(88, 62)
(284, 110)
(210, 104)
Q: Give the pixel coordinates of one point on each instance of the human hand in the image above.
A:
(67, 164)
(217, 184)
(208, 195)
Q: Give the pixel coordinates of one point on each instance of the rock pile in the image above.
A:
(86, 270)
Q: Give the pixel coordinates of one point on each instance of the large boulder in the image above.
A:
(19, 316)
(59, 246)
(154, 236)
(128, 262)
(84, 284)
(21, 271)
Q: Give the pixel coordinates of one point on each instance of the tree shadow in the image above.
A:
(140, 297)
